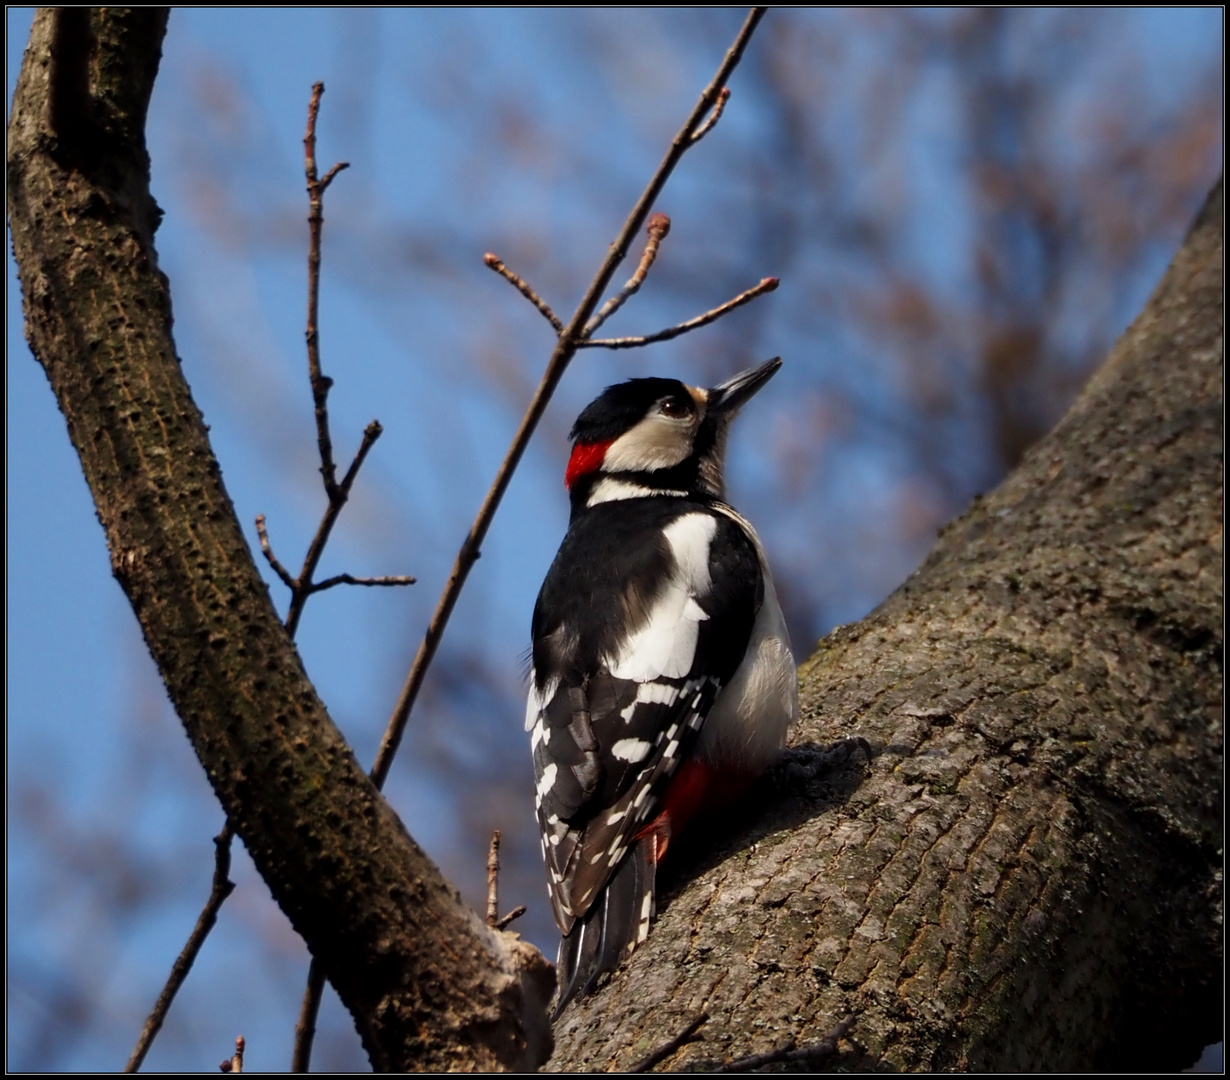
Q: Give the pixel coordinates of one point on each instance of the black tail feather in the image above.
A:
(615, 924)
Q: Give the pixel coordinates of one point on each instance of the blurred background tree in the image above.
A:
(965, 209)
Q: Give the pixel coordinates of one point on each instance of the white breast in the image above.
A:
(746, 728)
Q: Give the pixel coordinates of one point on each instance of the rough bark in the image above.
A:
(430, 986)
(1027, 874)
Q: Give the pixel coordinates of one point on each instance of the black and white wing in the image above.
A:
(623, 677)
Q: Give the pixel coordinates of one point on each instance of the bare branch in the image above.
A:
(303, 587)
(714, 116)
(511, 917)
(657, 228)
(493, 888)
(278, 568)
(305, 1027)
(222, 888)
(234, 1064)
(766, 285)
(327, 179)
(518, 283)
(348, 579)
(493, 879)
(257, 695)
(316, 220)
(666, 1049)
(570, 339)
(371, 433)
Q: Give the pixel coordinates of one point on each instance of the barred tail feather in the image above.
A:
(615, 924)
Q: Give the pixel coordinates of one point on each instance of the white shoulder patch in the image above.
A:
(666, 644)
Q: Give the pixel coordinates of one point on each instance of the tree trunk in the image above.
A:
(429, 985)
(1027, 874)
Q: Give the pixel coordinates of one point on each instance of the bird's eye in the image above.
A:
(676, 408)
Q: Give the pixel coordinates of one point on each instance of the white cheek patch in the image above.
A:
(657, 442)
(666, 644)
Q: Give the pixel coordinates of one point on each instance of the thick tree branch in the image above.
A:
(428, 984)
(1029, 878)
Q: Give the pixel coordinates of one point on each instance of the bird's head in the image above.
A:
(656, 436)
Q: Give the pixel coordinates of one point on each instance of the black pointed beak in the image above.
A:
(731, 395)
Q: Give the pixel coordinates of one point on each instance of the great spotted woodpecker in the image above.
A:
(662, 682)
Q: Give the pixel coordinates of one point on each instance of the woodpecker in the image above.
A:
(662, 682)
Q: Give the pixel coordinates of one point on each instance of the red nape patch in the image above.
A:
(586, 457)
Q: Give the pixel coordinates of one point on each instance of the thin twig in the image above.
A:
(812, 1053)
(518, 283)
(493, 879)
(569, 340)
(511, 917)
(327, 179)
(305, 1027)
(714, 116)
(302, 588)
(666, 1049)
(766, 285)
(493, 888)
(278, 568)
(349, 579)
(371, 433)
(316, 188)
(221, 888)
(235, 1064)
(657, 227)
(338, 494)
